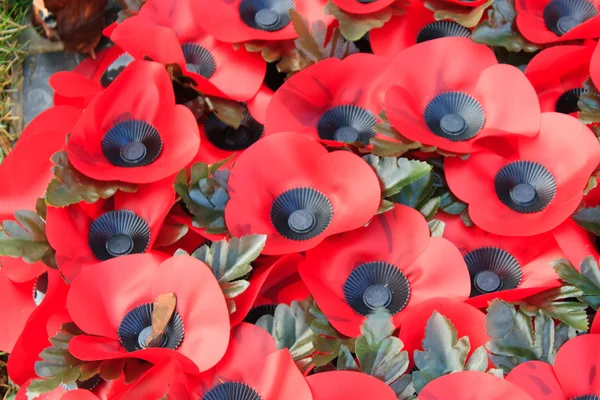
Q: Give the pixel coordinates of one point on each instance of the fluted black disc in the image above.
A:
(266, 15)
(40, 288)
(87, 384)
(227, 138)
(525, 186)
(366, 1)
(256, 312)
(118, 233)
(232, 391)
(376, 285)
(199, 60)
(347, 123)
(132, 143)
(301, 213)
(492, 269)
(136, 327)
(115, 68)
(587, 397)
(455, 116)
(567, 102)
(440, 29)
(561, 16)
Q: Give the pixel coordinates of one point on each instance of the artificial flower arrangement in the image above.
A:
(312, 200)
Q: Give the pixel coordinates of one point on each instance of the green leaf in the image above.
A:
(25, 238)
(234, 289)
(500, 29)
(572, 313)
(354, 26)
(430, 208)
(70, 186)
(228, 111)
(589, 219)
(395, 173)
(588, 281)
(417, 193)
(591, 184)
(326, 340)
(404, 388)
(449, 203)
(436, 227)
(589, 103)
(346, 361)
(466, 16)
(465, 217)
(170, 233)
(38, 387)
(384, 206)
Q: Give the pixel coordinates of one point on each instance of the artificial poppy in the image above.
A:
(555, 21)
(238, 21)
(362, 6)
(505, 267)
(165, 31)
(292, 189)
(534, 189)
(43, 322)
(219, 141)
(273, 281)
(472, 385)
(573, 375)
(83, 234)
(467, 320)
(392, 263)
(332, 100)
(113, 303)
(348, 385)
(133, 130)
(78, 87)
(452, 93)
(557, 75)
(416, 26)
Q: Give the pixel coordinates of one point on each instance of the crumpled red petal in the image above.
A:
(471, 385)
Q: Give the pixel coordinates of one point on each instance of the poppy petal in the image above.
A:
(16, 304)
(279, 378)
(348, 385)
(576, 366)
(362, 7)
(537, 379)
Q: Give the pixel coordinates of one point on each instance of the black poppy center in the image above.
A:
(454, 116)
(376, 285)
(440, 29)
(347, 123)
(266, 15)
(567, 102)
(492, 269)
(115, 69)
(40, 288)
(225, 137)
(131, 143)
(117, 233)
(561, 16)
(199, 60)
(301, 213)
(232, 391)
(525, 186)
(135, 329)
(587, 397)
(258, 311)
(367, 1)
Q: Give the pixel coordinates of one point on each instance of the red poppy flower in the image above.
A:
(454, 95)
(26, 172)
(252, 366)
(43, 323)
(467, 320)
(77, 88)
(573, 375)
(472, 385)
(237, 21)
(554, 21)
(292, 189)
(132, 131)
(533, 190)
(333, 100)
(510, 268)
(83, 234)
(348, 385)
(219, 141)
(392, 263)
(166, 32)
(557, 74)
(113, 302)
(273, 281)
(416, 26)
(362, 6)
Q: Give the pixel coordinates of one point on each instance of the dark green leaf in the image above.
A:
(326, 340)
(436, 227)
(589, 218)
(465, 16)
(430, 208)
(465, 217)
(552, 303)
(589, 103)
(395, 173)
(346, 361)
(41, 386)
(355, 26)
(417, 193)
(588, 281)
(170, 233)
(404, 388)
(70, 186)
(26, 238)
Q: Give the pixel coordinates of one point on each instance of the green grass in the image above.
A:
(13, 13)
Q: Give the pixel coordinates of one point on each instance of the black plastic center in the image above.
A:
(238, 136)
(145, 334)
(302, 221)
(566, 23)
(40, 288)
(266, 17)
(523, 194)
(377, 296)
(119, 245)
(346, 134)
(487, 281)
(453, 124)
(232, 391)
(133, 152)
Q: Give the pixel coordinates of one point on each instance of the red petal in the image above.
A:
(283, 285)
(538, 380)
(576, 366)
(173, 14)
(471, 385)
(161, 379)
(595, 66)
(79, 394)
(279, 378)
(56, 394)
(356, 7)
(259, 103)
(348, 385)
(19, 271)
(16, 305)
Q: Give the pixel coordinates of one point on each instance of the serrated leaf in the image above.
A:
(449, 203)
(588, 281)
(404, 388)
(38, 387)
(589, 103)
(384, 206)
(70, 186)
(346, 361)
(89, 370)
(395, 173)
(228, 111)
(417, 193)
(500, 29)
(326, 340)
(170, 233)
(233, 289)
(465, 217)
(589, 219)
(354, 26)
(389, 148)
(430, 208)
(436, 227)
(478, 361)
(465, 16)
(552, 303)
